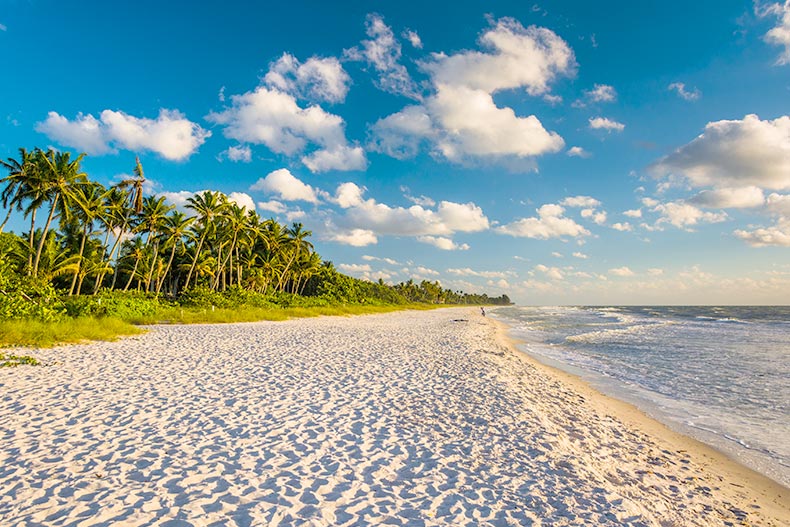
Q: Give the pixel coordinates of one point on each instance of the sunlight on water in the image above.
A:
(720, 374)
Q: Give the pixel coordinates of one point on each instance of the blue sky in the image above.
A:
(562, 153)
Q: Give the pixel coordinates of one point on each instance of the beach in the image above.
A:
(408, 418)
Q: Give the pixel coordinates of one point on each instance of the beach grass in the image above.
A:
(39, 334)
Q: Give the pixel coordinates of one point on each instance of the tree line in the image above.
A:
(96, 237)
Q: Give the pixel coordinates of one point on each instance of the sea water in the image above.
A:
(718, 374)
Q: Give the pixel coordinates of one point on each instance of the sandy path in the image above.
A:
(410, 418)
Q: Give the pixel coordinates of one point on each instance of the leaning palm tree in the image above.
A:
(58, 176)
(87, 203)
(297, 244)
(20, 172)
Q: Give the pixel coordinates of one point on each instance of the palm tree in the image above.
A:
(235, 221)
(208, 206)
(297, 244)
(20, 172)
(88, 204)
(175, 228)
(135, 249)
(58, 176)
(155, 211)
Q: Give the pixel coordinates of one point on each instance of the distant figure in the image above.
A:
(482, 311)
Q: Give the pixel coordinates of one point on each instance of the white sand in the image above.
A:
(401, 419)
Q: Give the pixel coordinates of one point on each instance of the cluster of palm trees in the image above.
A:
(120, 238)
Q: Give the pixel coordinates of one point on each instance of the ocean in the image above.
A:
(718, 374)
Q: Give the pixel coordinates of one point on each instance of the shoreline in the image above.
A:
(743, 482)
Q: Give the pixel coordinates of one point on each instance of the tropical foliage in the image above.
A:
(87, 244)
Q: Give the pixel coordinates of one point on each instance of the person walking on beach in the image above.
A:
(482, 311)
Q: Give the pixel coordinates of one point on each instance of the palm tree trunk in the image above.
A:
(44, 234)
(167, 269)
(30, 242)
(131, 276)
(7, 217)
(79, 261)
(195, 260)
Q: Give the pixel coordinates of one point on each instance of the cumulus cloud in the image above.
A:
(467, 271)
(780, 34)
(633, 213)
(355, 237)
(621, 271)
(598, 217)
(273, 118)
(322, 79)
(577, 151)
(747, 152)
(354, 268)
(413, 38)
(580, 201)
(369, 258)
(778, 204)
(443, 243)
(170, 135)
(274, 206)
(241, 153)
(286, 186)
(777, 234)
(602, 93)
(604, 123)
(553, 273)
(383, 52)
(680, 89)
(349, 195)
(685, 215)
(730, 198)
(448, 218)
(242, 200)
(622, 227)
(579, 255)
(460, 118)
(550, 223)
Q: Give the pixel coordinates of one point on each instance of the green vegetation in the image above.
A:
(124, 257)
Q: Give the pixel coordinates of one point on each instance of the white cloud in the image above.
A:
(476, 127)
(321, 79)
(655, 271)
(448, 218)
(553, 273)
(633, 213)
(349, 195)
(272, 206)
(577, 151)
(413, 38)
(625, 226)
(466, 271)
(460, 118)
(354, 268)
(730, 198)
(339, 157)
(273, 118)
(390, 261)
(680, 88)
(529, 57)
(242, 200)
(778, 234)
(649, 202)
(579, 255)
(383, 52)
(170, 135)
(550, 223)
(778, 204)
(734, 154)
(287, 187)
(552, 99)
(779, 35)
(179, 198)
(621, 271)
(555, 254)
(241, 153)
(684, 215)
(400, 134)
(602, 93)
(604, 123)
(355, 237)
(580, 201)
(440, 242)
